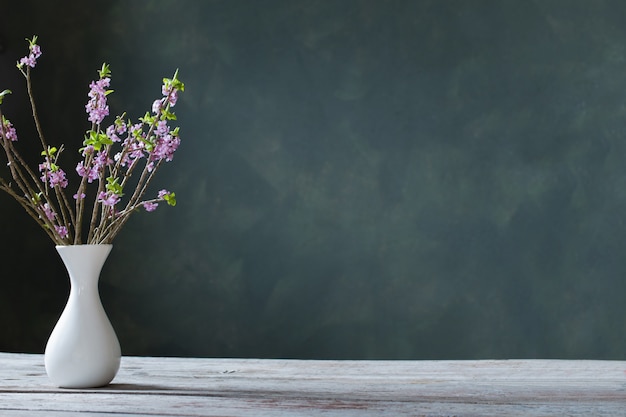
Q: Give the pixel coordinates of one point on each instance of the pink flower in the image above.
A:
(87, 150)
(111, 133)
(58, 178)
(10, 131)
(108, 198)
(162, 129)
(150, 206)
(97, 107)
(52, 176)
(157, 105)
(173, 97)
(80, 169)
(35, 50)
(31, 59)
(62, 231)
(50, 214)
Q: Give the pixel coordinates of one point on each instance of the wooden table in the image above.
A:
(262, 387)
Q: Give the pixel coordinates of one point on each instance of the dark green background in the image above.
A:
(357, 179)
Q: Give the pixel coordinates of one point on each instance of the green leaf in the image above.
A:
(114, 186)
(174, 82)
(49, 152)
(97, 140)
(170, 199)
(168, 115)
(105, 71)
(4, 93)
(147, 119)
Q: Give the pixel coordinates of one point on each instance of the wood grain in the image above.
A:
(262, 387)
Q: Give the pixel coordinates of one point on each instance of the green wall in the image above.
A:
(357, 179)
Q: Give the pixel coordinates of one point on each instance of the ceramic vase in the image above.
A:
(83, 350)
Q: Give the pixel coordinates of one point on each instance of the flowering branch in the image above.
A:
(143, 145)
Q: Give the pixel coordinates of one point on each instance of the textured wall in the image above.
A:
(357, 179)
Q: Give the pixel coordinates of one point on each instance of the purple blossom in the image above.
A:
(173, 98)
(97, 107)
(135, 149)
(157, 105)
(31, 59)
(122, 158)
(161, 129)
(79, 197)
(50, 214)
(171, 93)
(150, 206)
(163, 193)
(108, 198)
(80, 169)
(10, 131)
(35, 50)
(87, 150)
(62, 231)
(101, 160)
(121, 128)
(165, 148)
(98, 163)
(111, 133)
(52, 176)
(91, 173)
(57, 178)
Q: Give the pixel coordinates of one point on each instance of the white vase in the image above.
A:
(83, 350)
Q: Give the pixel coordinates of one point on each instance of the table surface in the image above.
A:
(269, 387)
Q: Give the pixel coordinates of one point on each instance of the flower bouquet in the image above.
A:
(101, 202)
(83, 349)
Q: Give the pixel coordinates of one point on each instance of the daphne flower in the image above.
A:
(31, 59)
(157, 105)
(171, 93)
(97, 107)
(35, 50)
(80, 169)
(50, 214)
(10, 131)
(150, 206)
(52, 176)
(111, 133)
(87, 150)
(120, 126)
(162, 129)
(62, 231)
(57, 178)
(92, 173)
(108, 198)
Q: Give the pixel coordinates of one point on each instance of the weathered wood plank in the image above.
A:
(253, 387)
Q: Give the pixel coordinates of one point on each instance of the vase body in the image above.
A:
(83, 350)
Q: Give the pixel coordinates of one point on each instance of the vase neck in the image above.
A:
(84, 262)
